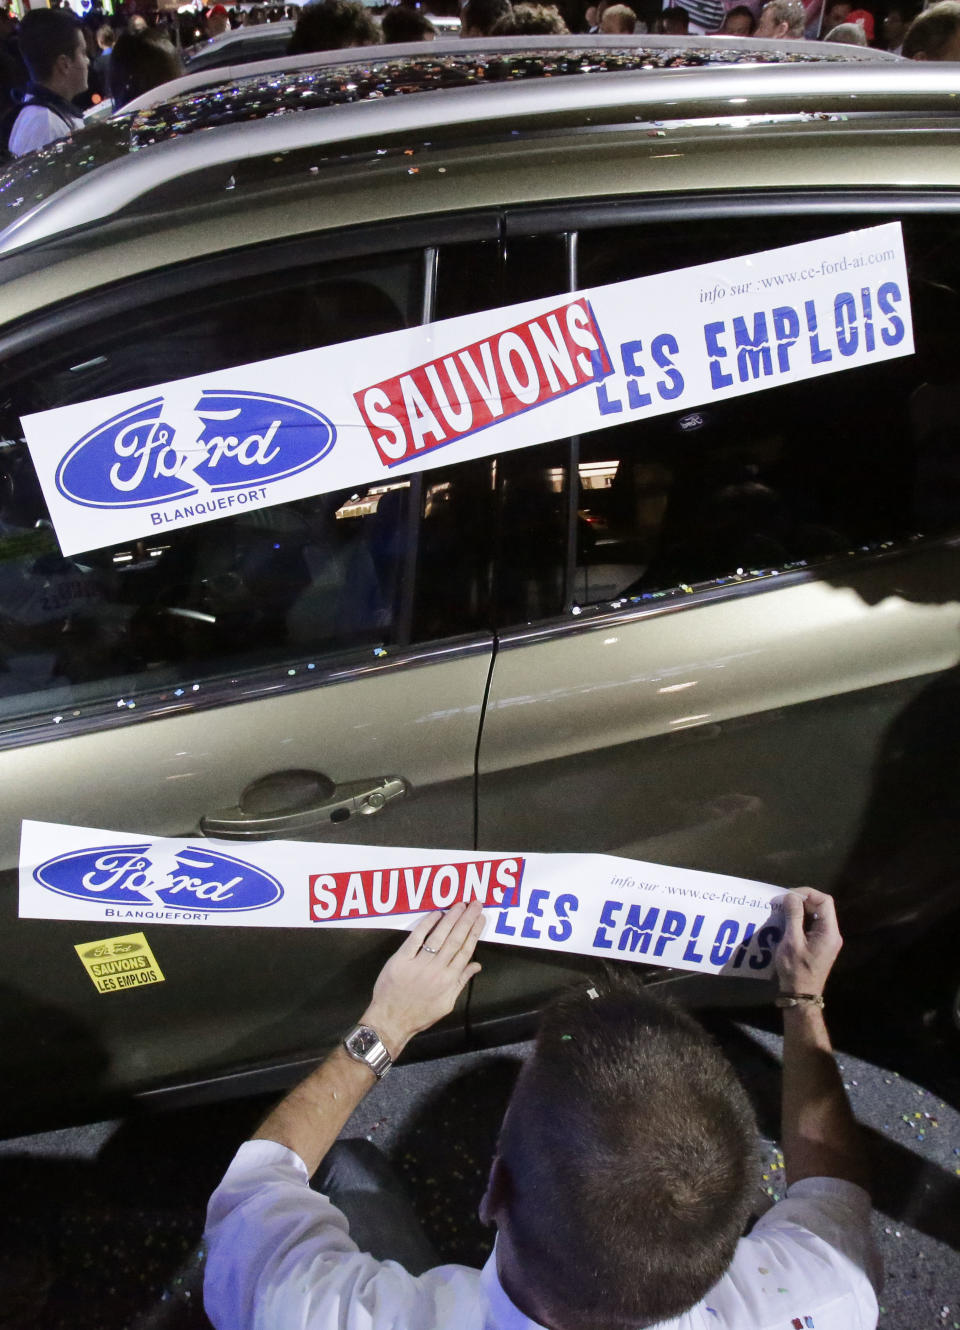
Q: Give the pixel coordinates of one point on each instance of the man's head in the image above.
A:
(848, 34)
(216, 21)
(618, 19)
(530, 20)
(400, 23)
(781, 19)
(896, 21)
(738, 22)
(836, 13)
(477, 17)
(935, 34)
(675, 21)
(624, 1169)
(54, 50)
(333, 25)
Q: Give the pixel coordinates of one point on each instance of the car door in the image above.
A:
(275, 674)
(752, 669)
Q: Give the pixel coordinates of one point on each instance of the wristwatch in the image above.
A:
(365, 1045)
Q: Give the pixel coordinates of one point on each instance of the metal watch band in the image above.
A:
(375, 1055)
(798, 1000)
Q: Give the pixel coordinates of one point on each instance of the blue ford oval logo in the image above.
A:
(203, 879)
(150, 453)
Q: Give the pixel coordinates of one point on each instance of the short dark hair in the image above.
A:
(45, 35)
(931, 31)
(630, 1148)
(402, 24)
(530, 20)
(332, 25)
(481, 15)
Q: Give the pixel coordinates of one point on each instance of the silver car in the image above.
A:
(724, 639)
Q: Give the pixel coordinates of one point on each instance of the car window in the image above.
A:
(172, 611)
(493, 531)
(833, 467)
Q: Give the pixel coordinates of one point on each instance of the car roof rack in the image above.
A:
(625, 97)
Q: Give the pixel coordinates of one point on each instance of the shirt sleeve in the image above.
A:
(280, 1254)
(838, 1213)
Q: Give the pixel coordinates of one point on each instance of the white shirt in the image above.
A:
(37, 125)
(280, 1257)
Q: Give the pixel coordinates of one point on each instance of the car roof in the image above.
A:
(489, 86)
(216, 52)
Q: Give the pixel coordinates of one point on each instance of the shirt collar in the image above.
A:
(504, 1314)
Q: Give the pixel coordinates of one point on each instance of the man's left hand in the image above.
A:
(421, 982)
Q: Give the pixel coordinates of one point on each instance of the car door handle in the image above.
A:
(313, 802)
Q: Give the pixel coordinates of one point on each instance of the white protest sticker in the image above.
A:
(590, 904)
(149, 461)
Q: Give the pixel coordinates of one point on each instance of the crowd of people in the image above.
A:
(53, 65)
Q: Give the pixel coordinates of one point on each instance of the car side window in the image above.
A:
(175, 610)
(777, 480)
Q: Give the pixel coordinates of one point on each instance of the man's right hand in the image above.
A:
(811, 941)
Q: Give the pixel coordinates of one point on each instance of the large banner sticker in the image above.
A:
(586, 904)
(191, 450)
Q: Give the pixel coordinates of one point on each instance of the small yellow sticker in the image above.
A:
(119, 963)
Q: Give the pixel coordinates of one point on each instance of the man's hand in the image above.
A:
(811, 941)
(421, 981)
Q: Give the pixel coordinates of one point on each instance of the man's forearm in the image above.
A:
(820, 1135)
(418, 986)
(312, 1116)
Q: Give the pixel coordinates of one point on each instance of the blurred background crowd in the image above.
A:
(135, 45)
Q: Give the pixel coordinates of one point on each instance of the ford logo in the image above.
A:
(203, 879)
(148, 454)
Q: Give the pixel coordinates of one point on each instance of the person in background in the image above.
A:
(216, 21)
(934, 34)
(738, 22)
(13, 73)
(402, 24)
(836, 12)
(895, 23)
(849, 34)
(530, 20)
(623, 1179)
(55, 53)
(141, 61)
(864, 20)
(782, 20)
(100, 65)
(477, 17)
(675, 21)
(333, 25)
(705, 15)
(618, 20)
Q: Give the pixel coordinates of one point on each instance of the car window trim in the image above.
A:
(116, 298)
(604, 213)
